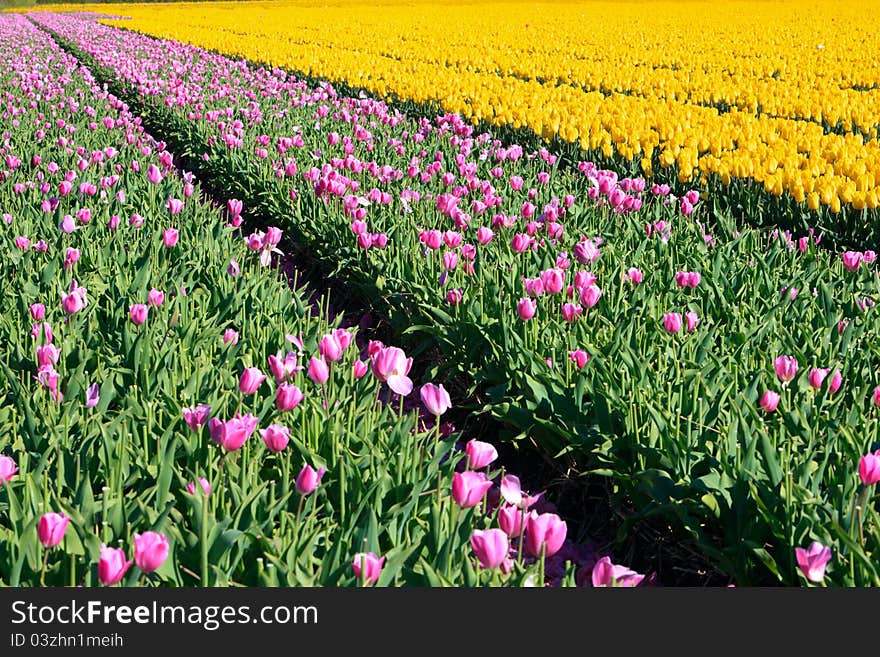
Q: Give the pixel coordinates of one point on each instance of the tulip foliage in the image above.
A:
(721, 376)
(142, 438)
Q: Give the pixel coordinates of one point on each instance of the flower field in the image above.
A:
(194, 415)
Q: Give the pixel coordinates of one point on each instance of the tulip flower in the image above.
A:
(491, 547)
(287, 397)
(330, 348)
(155, 298)
(869, 468)
(196, 416)
(319, 370)
(390, 365)
(367, 567)
(813, 560)
(308, 479)
(606, 573)
(579, 357)
(250, 381)
(769, 401)
(360, 368)
(469, 488)
(672, 322)
(835, 382)
(479, 454)
(93, 395)
(510, 519)
(232, 434)
(150, 551)
(876, 396)
(634, 275)
(276, 437)
(38, 312)
(589, 296)
(112, 565)
(170, 237)
(230, 336)
(817, 376)
(526, 308)
(138, 313)
(206, 487)
(435, 399)
(786, 368)
(545, 531)
(51, 528)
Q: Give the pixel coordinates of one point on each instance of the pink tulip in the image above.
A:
(835, 382)
(175, 206)
(691, 319)
(479, 454)
(232, 434)
(93, 395)
(360, 368)
(283, 367)
(545, 530)
(876, 396)
(390, 365)
(435, 399)
(672, 322)
(230, 335)
(869, 468)
(469, 488)
(287, 397)
(851, 260)
(319, 370)
(590, 295)
(526, 308)
(511, 519)
(250, 380)
(330, 348)
(491, 547)
(606, 573)
(276, 437)
(634, 275)
(367, 567)
(154, 175)
(769, 401)
(155, 298)
(553, 280)
(38, 312)
(786, 368)
(51, 528)
(112, 565)
(308, 479)
(817, 376)
(138, 313)
(203, 483)
(579, 357)
(813, 560)
(170, 237)
(150, 551)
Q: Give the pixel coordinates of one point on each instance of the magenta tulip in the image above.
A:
(786, 368)
(813, 560)
(138, 313)
(367, 567)
(869, 468)
(330, 348)
(672, 322)
(170, 237)
(769, 401)
(435, 399)
(230, 336)
(606, 573)
(835, 382)
(93, 395)
(51, 528)
(112, 565)
(469, 488)
(817, 376)
(276, 437)
(196, 416)
(287, 397)
(545, 530)
(319, 370)
(251, 380)
(491, 547)
(308, 479)
(390, 365)
(150, 551)
(203, 483)
(155, 298)
(691, 319)
(479, 454)
(510, 519)
(526, 308)
(579, 357)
